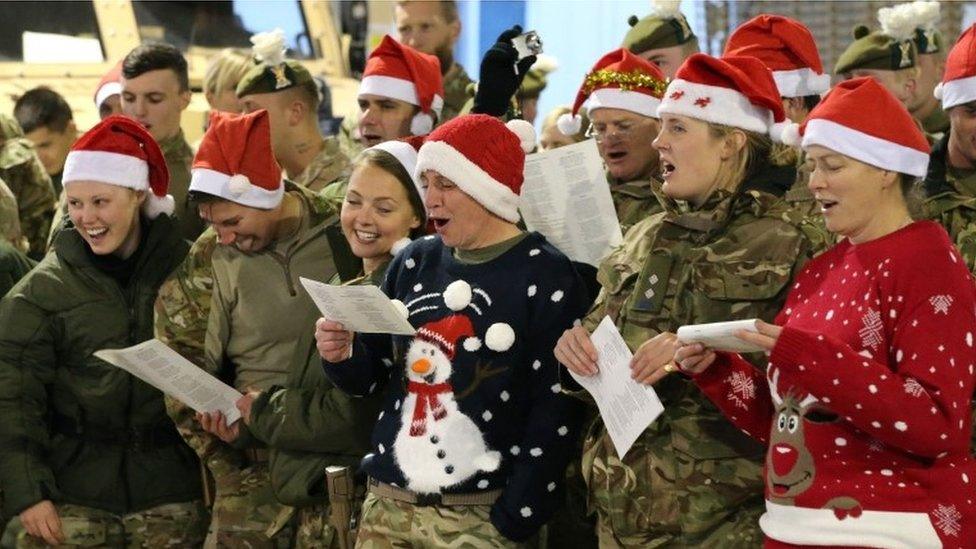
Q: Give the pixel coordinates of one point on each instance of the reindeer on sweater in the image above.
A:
(790, 467)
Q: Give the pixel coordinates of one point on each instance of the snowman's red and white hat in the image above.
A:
(119, 151)
(401, 72)
(861, 119)
(737, 91)
(619, 80)
(235, 161)
(958, 84)
(787, 47)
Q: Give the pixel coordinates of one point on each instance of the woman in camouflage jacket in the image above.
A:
(726, 247)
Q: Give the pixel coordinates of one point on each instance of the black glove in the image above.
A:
(501, 75)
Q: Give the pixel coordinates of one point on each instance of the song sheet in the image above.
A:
(627, 407)
(165, 369)
(364, 309)
(720, 336)
(566, 197)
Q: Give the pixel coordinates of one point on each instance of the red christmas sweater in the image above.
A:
(865, 404)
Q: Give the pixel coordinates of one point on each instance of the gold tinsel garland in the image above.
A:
(625, 80)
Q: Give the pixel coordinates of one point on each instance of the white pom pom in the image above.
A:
(500, 337)
(789, 134)
(401, 308)
(569, 124)
(269, 47)
(778, 131)
(472, 344)
(421, 124)
(927, 14)
(457, 295)
(937, 92)
(399, 245)
(155, 205)
(238, 184)
(525, 132)
(666, 8)
(898, 22)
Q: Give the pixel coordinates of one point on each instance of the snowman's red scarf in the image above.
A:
(426, 396)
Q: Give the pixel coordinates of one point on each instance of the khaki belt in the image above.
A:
(385, 490)
(257, 455)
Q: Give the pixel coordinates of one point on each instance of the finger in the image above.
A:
(761, 340)
(510, 33)
(573, 361)
(576, 346)
(45, 533)
(583, 338)
(768, 329)
(54, 525)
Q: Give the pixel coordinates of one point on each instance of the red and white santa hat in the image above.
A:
(619, 80)
(235, 161)
(119, 151)
(787, 47)
(482, 156)
(109, 85)
(737, 91)
(401, 72)
(861, 119)
(958, 84)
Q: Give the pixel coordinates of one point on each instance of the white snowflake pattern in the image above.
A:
(947, 519)
(913, 387)
(741, 389)
(941, 303)
(872, 330)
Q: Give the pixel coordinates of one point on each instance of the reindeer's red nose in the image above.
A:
(783, 458)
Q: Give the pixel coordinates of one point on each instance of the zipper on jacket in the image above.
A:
(285, 262)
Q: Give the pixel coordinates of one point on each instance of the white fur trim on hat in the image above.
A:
(499, 337)
(801, 82)
(569, 124)
(525, 131)
(956, 92)
(714, 104)
(155, 205)
(106, 167)
(387, 86)
(871, 150)
(616, 98)
(406, 155)
(107, 90)
(457, 295)
(231, 188)
(470, 177)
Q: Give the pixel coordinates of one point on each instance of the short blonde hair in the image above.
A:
(225, 70)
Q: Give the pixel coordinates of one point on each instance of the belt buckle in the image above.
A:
(428, 500)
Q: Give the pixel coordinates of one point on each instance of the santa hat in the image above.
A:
(787, 47)
(235, 162)
(445, 333)
(109, 85)
(861, 119)
(736, 91)
(401, 72)
(619, 80)
(482, 156)
(119, 151)
(958, 84)
(406, 155)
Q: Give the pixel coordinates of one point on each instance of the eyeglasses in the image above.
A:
(602, 132)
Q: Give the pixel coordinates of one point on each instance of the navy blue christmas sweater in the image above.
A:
(473, 400)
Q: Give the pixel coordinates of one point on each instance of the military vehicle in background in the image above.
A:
(70, 45)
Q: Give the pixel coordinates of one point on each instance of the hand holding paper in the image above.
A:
(364, 309)
(721, 336)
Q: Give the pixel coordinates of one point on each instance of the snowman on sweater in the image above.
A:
(438, 446)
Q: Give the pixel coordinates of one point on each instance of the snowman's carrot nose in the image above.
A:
(421, 366)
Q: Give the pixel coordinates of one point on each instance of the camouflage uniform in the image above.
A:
(168, 525)
(807, 209)
(388, 523)
(634, 201)
(179, 157)
(457, 92)
(22, 171)
(691, 479)
(10, 219)
(330, 165)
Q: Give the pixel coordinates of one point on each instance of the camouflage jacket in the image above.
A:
(950, 199)
(22, 171)
(182, 313)
(10, 219)
(807, 209)
(179, 157)
(690, 474)
(329, 166)
(457, 92)
(310, 424)
(634, 200)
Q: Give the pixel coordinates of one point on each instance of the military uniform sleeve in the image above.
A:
(27, 368)
(23, 172)
(535, 486)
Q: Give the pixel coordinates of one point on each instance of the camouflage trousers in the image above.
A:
(661, 495)
(246, 514)
(313, 530)
(388, 523)
(180, 525)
